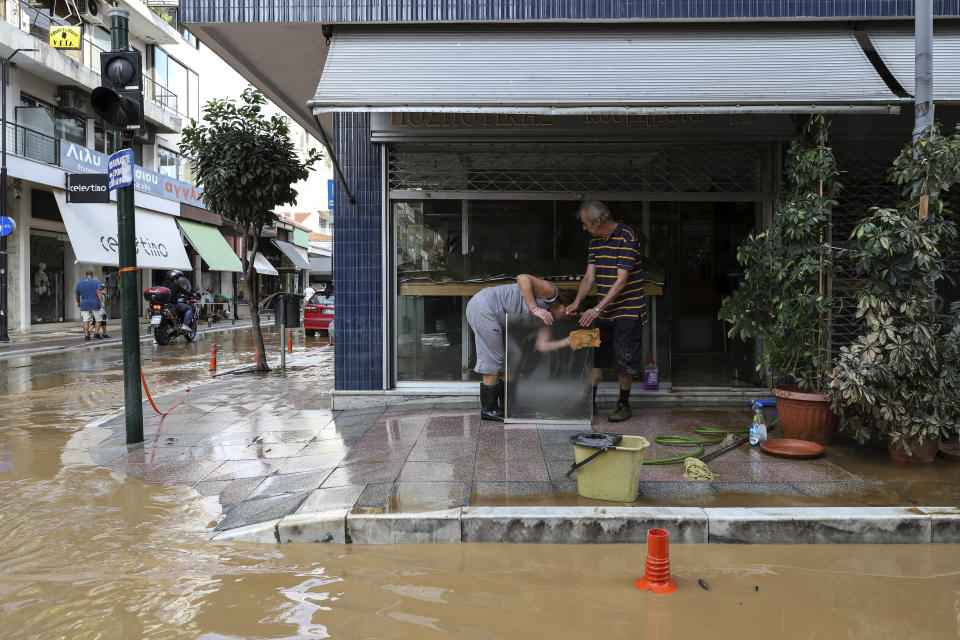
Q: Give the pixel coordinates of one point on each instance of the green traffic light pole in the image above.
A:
(126, 237)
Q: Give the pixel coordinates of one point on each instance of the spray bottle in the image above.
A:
(758, 430)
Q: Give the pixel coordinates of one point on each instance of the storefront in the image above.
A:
(464, 134)
(477, 199)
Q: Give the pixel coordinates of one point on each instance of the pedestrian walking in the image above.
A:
(89, 295)
(615, 264)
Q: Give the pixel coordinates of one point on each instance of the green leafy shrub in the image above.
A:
(783, 300)
(900, 378)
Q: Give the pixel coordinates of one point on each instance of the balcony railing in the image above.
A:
(33, 145)
(88, 54)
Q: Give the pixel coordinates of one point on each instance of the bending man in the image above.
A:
(615, 264)
(487, 315)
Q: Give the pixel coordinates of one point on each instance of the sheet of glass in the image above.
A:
(545, 379)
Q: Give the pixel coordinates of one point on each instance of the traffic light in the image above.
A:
(119, 98)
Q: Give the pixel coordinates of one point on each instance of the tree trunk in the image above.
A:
(253, 294)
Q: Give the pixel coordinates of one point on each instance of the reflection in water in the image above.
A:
(86, 553)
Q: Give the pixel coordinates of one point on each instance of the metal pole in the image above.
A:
(923, 67)
(4, 335)
(126, 236)
(236, 278)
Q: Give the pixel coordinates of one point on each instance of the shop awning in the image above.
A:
(297, 255)
(93, 234)
(263, 266)
(600, 69)
(211, 246)
(894, 44)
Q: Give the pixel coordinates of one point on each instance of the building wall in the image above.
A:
(357, 256)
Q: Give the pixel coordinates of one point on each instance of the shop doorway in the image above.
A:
(704, 270)
(47, 286)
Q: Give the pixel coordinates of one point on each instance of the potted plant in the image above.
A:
(899, 380)
(784, 300)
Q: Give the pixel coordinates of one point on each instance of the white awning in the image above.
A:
(895, 46)
(93, 233)
(262, 265)
(600, 69)
(297, 255)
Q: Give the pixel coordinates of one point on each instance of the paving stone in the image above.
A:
(362, 474)
(510, 469)
(457, 469)
(333, 498)
(262, 510)
(243, 469)
(375, 495)
(429, 496)
(314, 462)
(289, 483)
(491, 494)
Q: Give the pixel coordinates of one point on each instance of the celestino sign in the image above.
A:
(88, 188)
(78, 159)
(149, 247)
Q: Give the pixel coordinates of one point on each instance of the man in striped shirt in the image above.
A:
(615, 264)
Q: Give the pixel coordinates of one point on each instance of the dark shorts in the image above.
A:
(621, 346)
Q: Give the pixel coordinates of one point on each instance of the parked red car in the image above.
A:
(318, 314)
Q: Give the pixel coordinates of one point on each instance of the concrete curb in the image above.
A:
(577, 525)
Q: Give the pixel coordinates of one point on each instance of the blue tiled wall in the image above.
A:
(496, 10)
(358, 280)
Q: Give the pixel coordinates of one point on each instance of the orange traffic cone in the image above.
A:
(657, 577)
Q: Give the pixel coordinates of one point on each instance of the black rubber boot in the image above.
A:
(488, 403)
(500, 403)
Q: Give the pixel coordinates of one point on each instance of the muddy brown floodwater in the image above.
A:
(86, 553)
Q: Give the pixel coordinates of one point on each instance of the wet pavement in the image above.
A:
(267, 447)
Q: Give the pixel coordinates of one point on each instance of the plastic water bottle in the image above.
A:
(758, 430)
(651, 377)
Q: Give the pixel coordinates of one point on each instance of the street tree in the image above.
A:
(247, 165)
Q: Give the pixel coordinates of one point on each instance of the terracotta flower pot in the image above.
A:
(805, 416)
(919, 452)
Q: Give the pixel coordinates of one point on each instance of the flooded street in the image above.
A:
(90, 553)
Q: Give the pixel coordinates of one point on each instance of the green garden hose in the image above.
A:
(687, 441)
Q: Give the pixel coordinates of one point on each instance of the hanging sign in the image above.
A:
(7, 226)
(120, 169)
(88, 187)
(64, 37)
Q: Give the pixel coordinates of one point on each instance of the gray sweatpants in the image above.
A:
(488, 337)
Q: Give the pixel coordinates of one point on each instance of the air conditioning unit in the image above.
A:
(92, 12)
(73, 101)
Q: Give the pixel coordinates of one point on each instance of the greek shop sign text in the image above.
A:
(78, 159)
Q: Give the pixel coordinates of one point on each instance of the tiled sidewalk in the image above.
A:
(267, 446)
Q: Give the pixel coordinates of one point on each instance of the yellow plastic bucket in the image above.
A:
(613, 475)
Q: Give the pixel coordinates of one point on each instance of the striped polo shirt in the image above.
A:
(620, 251)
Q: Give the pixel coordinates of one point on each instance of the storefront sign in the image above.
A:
(120, 169)
(7, 226)
(79, 159)
(89, 187)
(62, 37)
(329, 195)
(400, 126)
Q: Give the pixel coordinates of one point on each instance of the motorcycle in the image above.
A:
(164, 318)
